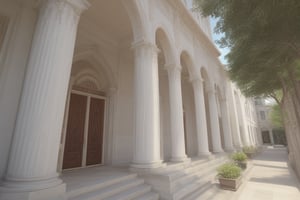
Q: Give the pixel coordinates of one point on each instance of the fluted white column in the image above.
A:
(34, 151)
(201, 123)
(226, 126)
(146, 101)
(214, 121)
(237, 140)
(242, 121)
(176, 114)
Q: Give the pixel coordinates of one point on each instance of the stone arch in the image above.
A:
(186, 61)
(206, 78)
(163, 42)
(138, 19)
(165, 58)
(85, 75)
(98, 65)
(188, 99)
(88, 80)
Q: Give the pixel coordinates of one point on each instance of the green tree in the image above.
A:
(276, 116)
(264, 38)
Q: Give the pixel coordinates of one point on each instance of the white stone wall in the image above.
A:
(116, 67)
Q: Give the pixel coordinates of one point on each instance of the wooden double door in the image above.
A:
(84, 134)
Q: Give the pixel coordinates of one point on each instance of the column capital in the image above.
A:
(223, 99)
(210, 89)
(196, 79)
(172, 66)
(78, 5)
(144, 43)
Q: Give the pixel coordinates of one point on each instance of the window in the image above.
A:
(262, 115)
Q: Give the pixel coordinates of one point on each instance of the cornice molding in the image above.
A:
(191, 21)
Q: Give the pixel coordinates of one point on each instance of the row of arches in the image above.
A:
(91, 71)
(188, 72)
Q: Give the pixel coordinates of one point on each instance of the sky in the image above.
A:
(223, 51)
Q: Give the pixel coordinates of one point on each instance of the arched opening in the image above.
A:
(188, 101)
(164, 58)
(101, 89)
(206, 85)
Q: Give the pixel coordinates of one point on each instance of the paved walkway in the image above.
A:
(270, 178)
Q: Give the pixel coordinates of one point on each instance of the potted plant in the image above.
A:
(229, 175)
(240, 158)
(250, 151)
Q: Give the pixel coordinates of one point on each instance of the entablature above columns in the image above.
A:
(144, 44)
(210, 88)
(196, 79)
(173, 67)
(78, 5)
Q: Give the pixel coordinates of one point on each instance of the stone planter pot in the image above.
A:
(230, 184)
(242, 164)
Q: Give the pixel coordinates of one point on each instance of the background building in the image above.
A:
(270, 134)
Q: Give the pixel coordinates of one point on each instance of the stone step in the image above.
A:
(190, 176)
(149, 196)
(195, 167)
(110, 190)
(199, 194)
(176, 175)
(202, 184)
(180, 172)
(198, 161)
(182, 181)
(133, 193)
(213, 192)
(75, 190)
(194, 178)
(208, 171)
(171, 168)
(189, 189)
(207, 164)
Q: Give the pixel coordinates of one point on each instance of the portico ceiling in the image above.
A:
(106, 18)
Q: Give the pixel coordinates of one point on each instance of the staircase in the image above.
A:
(185, 181)
(189, 180)
(126, 187)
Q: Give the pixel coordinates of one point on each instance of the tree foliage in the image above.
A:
(263, 36)
(276, 116)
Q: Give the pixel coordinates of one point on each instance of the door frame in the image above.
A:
(85, 140)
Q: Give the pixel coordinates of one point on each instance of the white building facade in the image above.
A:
(117, 83)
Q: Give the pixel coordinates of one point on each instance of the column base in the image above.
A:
(18, 193)
(229, 150)
(218, 151)
(204, 155)
(180, 159)
(238, 148)
(148, 167)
